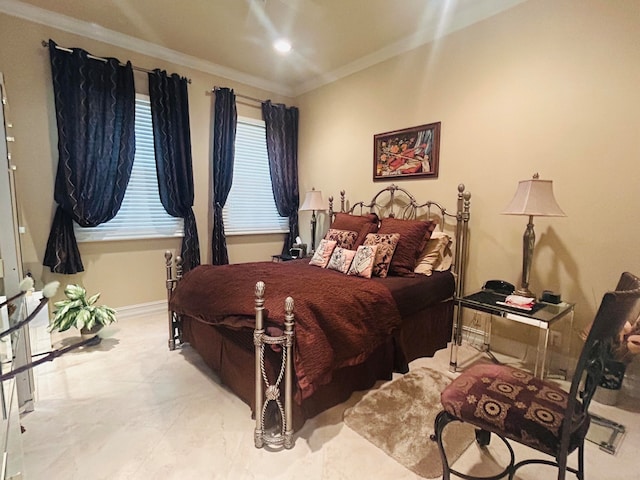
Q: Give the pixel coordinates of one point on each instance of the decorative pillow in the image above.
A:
(413, 235)
(446, 259)
(363, 224)
(344, 238)
(386, 244)
(323, 253)
(436, 254)
(341, 259)
(362, 264)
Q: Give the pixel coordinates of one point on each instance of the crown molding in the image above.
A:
(28, 12)
(448, 22)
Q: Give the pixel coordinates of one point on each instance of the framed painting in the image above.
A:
(409, 153)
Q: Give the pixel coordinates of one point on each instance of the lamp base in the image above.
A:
(524, 292)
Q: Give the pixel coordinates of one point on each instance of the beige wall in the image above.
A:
(549, 87)
(126, 272)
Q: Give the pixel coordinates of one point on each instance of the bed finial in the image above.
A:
(288, 305)
(260, 289)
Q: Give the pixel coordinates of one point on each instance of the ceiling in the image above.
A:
(233, 38)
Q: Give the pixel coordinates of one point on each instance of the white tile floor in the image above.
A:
(131, 409)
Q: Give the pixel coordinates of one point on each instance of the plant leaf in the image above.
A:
(93, 298)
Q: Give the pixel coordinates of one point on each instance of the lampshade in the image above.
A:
(313, 201)
(534, 198)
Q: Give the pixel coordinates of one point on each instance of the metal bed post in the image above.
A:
(462, 227)
(272, 392)
(288, 380)
(258, 334)
(174, 322)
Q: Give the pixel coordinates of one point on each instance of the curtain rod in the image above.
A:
(64, 49)
(241, 96)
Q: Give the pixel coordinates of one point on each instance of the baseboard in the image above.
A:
(150, 308)
(523, 351)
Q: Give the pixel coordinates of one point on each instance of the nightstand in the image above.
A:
(281, 258)
(542, 316)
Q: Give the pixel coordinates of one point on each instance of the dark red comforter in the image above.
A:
(339, 319)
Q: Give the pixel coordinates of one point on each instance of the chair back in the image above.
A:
(616, 308)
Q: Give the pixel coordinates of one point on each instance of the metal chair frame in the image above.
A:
(616, 308)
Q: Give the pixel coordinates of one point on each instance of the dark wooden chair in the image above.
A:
(514, 405)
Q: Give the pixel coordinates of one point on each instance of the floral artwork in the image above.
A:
(408, 153)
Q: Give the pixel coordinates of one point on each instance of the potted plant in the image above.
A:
(81, 312)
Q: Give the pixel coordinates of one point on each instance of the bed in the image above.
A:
(292, 339)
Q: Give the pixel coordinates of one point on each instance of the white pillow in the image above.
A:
(437, 254)
(323, 253)
(362, 263)
(341, 259)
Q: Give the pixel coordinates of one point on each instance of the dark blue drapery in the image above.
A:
(95, 110)
(224, 136)
(281, 124)
(172, 144)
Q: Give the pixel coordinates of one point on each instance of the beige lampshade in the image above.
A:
(534, 197)
(313, 201)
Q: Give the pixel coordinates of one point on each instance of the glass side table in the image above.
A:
(542, 316)
(281, 258)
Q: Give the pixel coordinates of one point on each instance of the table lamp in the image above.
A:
(533, 198)
(313, 201)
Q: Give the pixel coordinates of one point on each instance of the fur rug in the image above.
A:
(398, 418)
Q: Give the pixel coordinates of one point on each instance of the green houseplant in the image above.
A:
(81, 312)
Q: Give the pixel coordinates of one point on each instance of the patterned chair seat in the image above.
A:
(514, 404)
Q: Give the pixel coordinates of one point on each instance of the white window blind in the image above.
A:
(141, 214)
(250, 206)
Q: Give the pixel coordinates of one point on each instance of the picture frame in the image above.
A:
(408, 153)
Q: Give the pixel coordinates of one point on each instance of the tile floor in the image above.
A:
(131, 409)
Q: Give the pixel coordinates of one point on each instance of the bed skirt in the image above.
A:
(230, 354)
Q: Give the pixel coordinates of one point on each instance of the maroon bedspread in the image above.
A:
(339, 319)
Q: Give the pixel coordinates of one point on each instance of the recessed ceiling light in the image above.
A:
(282, 45)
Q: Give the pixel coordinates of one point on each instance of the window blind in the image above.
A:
(250, 206)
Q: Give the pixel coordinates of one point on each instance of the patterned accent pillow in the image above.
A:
(436, 254)
(344, 238)
(363, 224)
(386, 247)
(323, 253)
(362, 264)
(341, 259)
(413, 236)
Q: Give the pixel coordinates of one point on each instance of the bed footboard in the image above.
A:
(274, 422)
(175, 328)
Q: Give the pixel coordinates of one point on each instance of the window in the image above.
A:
(250, 206)
(141, 214)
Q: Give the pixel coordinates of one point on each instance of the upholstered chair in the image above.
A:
(515, 405)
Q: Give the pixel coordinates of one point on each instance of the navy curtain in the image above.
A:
(172, 145)
(95, 109)
(224, 136)
(281, 124)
